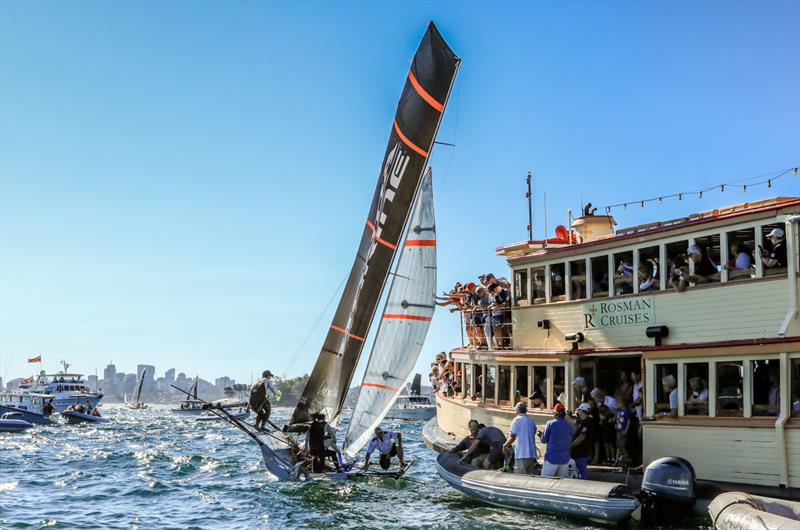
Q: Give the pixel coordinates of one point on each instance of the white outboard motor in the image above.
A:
(668, 491)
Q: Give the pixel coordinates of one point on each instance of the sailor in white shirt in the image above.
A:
(523, 432)
(388, 444)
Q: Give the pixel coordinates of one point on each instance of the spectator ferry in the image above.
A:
(703, 310)
(65, 388)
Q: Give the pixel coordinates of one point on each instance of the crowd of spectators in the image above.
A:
(443, 377)
(486, 308)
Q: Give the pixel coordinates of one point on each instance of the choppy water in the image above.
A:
(152, 469)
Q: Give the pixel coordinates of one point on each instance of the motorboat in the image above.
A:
(413, 406)
(13, 422)
(32, 406)
(603, 502)
(73, 416)
(67, 388)
(735, 510)
(192, 404)
(211, 416)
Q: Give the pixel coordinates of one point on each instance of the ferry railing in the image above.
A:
(480, 333)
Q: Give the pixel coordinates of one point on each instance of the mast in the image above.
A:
(419, 113)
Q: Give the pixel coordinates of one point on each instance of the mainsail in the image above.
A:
(138, 395)
(403, 325)
(419, 113)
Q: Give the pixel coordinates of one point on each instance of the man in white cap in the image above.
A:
(523, 431)
(776, 258)
(670, 386)
(583, 440)
(582, 392)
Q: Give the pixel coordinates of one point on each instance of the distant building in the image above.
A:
(130, 383)
(92, 381)
(149, 377)
(109, 376)
(160, 386)
(169, 377)
(223, 382)
(14, 383)
(1, 383)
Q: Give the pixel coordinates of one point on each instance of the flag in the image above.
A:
(36, 359)
(27, 381)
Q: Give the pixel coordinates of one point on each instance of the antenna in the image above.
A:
(529, 196)
(544, 241)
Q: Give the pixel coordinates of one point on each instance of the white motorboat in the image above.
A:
(211, 416)
(67, 389)
(73, 417)
(13, 422)
(413, 406)
(190, 405)
(604, 502)
(32, 406)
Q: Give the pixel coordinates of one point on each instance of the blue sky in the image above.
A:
(184, 184)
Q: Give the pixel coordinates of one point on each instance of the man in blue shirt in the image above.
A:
(558, 437)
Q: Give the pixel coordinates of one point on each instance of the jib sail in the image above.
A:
(411, 139)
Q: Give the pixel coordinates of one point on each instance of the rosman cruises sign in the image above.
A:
(619, 313)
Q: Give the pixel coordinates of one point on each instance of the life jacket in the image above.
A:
(316, 437)
(258, 394)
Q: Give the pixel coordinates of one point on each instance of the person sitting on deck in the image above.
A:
(260, 395)
(704, 268)
(318, 434)
(583, 440)
(678, 274)
(740, 261)
(523, 432)
(492, 439)
(537, 400)
(467, 441)
(670, 386)
(776, 258)
(558, 437)
(388, 444)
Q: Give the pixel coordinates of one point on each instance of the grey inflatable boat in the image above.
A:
(603, 502)
(741, 511)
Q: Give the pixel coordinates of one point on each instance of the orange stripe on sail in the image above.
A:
(376, 385)
(406, 317)
(408, 142)
(379, 240)
(423, 94)
(420, 242)
(342, 330)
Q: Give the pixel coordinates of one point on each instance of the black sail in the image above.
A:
(411, 139)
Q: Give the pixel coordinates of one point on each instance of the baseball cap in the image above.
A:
(585, 408)
(470, 285)
(489, 276)
(578, 381)
(559, 408)
(776, 232)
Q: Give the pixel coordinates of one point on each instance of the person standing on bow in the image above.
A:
(523, 432)
(261, 393)
(388, 444)
(558, 437)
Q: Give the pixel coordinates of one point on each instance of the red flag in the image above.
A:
(36, 359)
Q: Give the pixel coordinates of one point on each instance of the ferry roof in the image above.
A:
(524, 251)
(62, 375)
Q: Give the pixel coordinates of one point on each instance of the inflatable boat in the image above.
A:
(13, 422)
(73, 416)
(741, 511)
(603, 502)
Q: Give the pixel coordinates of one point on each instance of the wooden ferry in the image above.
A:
(608, 300)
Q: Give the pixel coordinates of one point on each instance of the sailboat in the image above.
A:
(191, 405)
(137, 402)
(403, 183)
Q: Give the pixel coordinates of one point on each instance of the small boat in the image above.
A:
(239, 415)
(413, 406)
(736, 510)
(137, 403)
(603, 502)
(73, 417)
(13, 422)
(192, 404)
(34, 407)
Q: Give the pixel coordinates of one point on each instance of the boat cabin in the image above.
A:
(703, 309)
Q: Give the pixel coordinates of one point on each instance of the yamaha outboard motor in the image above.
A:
(667, 493)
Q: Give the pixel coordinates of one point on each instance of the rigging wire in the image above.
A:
(313, 327)
(766, 178)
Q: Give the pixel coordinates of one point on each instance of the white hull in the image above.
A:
(214, 417)
(412, 414)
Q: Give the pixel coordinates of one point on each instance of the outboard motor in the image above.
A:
(667, 492)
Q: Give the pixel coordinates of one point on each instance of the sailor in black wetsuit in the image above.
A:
(317, 433)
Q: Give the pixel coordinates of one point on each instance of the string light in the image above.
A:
(722, 188)
(642, 204)
(660, 200)
(701, 194)
(626, 206)
(680, 196)
(769, 183)
(744, 188)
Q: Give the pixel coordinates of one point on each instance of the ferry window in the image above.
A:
(794, 394)
(677, 265)
(521, 390)
(467, 390)
(540, 384)
(773, 253)
(58, 388)
(521, 287)
(558, 385)
(739, 259)
(557, 285)
(766, 391)
(599, 276)
(577, 278)
(504, 384)
(538, 285)
(623, 273)
(730, 375)
(488, 382)
(705, 254)
(649, 270)
(696, 389)
(666, 388)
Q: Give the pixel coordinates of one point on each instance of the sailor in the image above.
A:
(466, 443)
(260, 395)
(389, 444)
(523, 432)
(492, 439)
(48, 408)
(319, 436)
